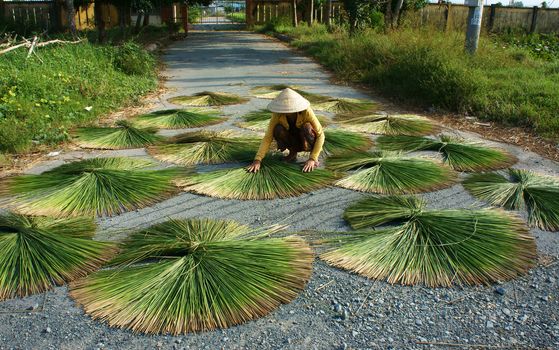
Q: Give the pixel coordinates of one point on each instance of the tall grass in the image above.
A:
(42, 97)
(430, 68)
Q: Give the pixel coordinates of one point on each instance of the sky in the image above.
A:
(527, 3)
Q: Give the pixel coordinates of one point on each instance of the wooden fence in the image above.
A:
(260, 12)
(495, 18)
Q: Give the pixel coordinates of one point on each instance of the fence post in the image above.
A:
(491, 20)
(474, 25)
(249, 12)
(534, 19)
(447, 14)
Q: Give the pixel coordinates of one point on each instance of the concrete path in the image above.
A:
(379, 315)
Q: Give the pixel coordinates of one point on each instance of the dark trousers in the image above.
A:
(295, 139)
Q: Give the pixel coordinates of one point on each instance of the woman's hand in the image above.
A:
(254, 167)
(310, 165)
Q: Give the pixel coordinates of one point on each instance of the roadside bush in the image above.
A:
(132, 59)
(430, 68)
(42, 98)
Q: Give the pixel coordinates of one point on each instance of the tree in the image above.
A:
(70, 14)
(544, 5)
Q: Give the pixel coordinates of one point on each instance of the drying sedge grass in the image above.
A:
(37, 253)
(396, 124)
(272, 91)
(179, 118)
(390, 173)
(538, 194)
(337, 140)
(206, 147)
(275, 179)
(195, 275)
(344, 105)
(124, 135)
(433, 247)
(208, 98)
(100, 186)
(259, 120)
(458, 154)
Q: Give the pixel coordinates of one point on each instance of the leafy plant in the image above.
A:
(344, 105)
(37, 253)
(275, 179)
(179, 118)
(459, 154)
(396, 124)
(208, 98)
(523, 189)
(99, 186)
(124, 135)
(433, 247)
(390, 173)
(206, 147)
(195, 275)
(272, 91)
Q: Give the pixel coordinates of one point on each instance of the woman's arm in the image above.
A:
(267, 140)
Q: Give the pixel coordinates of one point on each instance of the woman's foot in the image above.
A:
(291, 157)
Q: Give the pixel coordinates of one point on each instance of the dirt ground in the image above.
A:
(337, 310)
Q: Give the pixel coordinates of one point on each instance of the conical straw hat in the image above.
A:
(288, 101)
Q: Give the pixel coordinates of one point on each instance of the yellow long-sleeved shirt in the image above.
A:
(303, 117)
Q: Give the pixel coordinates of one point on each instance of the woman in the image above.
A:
(294, 127)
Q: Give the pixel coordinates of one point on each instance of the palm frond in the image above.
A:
(275, 179)
(124, 135)
(337, 140)
(99, 186)
(523, 189)
(208, 98)
(258, 120)
(37, 253)
(195, 275)
(206, 147)
(396, 124)
(344, 105)
(180, 118)
(272, 91)
(459, 154)
(390, 173)
(435, 247)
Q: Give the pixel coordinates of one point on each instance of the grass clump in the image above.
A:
(41, 98)
(195, 275)
(430, 68)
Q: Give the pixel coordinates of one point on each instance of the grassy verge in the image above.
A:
(43, 97)
(236, 17)
(503, 83)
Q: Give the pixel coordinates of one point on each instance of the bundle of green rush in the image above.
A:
(206, 147)
(258, 120)
(180, 118)
(385, 124)
(437, 248)
(272, 91)
(195, 275)
(208, 99)
(124, 135)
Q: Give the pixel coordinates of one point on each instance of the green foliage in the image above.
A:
(195, 275)
(124, 135)
(37, 253)
(390, 173)
(179, 118)
(395, 124)
(540, 45)
(523, 189)
(98, 186)
(206, 147)
(433, 247)
(208, 99)
(132, 59)
(275, 179)
(430, 68)
(459, 154)
(40, 100)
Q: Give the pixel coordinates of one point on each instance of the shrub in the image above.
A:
(131, 59)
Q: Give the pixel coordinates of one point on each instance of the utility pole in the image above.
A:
(474, 24)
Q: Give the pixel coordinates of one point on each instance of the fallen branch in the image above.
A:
(32, 45)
